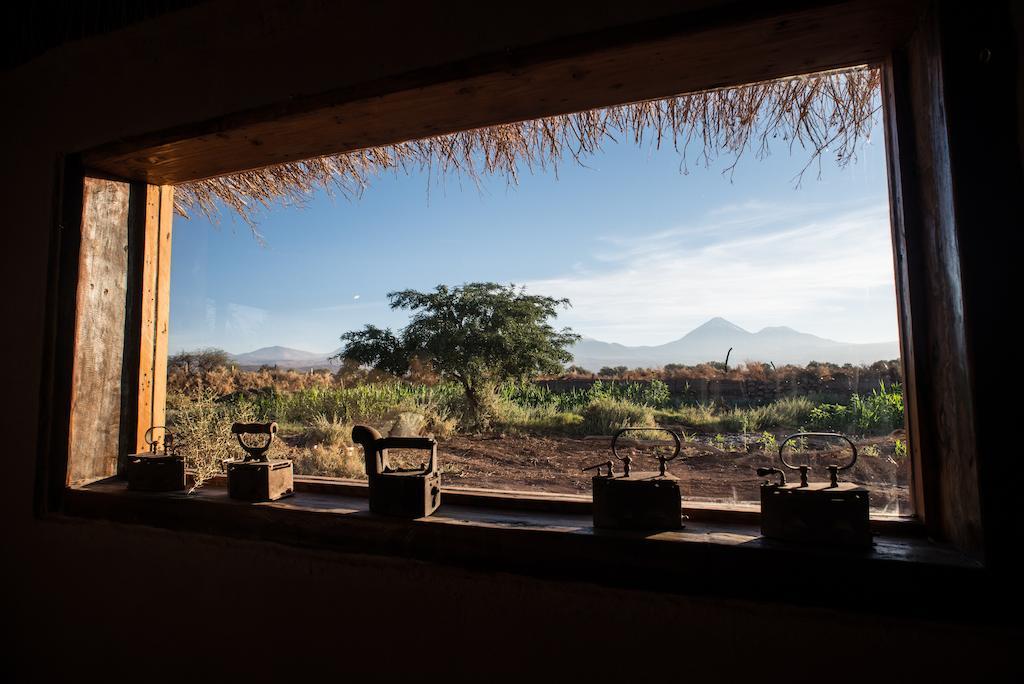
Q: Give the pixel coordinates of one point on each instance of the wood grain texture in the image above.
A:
(149, 233)
(897, 575)
(755, 41)
(161, 322)
(94, 435)
(929, 266)
(982, 56)
(896, 119)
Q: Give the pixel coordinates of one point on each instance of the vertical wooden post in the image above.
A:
(94, 434)
(155, 310)
(928, 229)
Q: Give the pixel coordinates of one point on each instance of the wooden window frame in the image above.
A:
(592, 71)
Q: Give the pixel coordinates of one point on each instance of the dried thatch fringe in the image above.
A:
(825, 112)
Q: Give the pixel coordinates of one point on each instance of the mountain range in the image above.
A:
(284, 357)
(708, 342)
(712, 340)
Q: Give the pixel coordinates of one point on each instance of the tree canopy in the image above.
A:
(477, 334)
(200, 360)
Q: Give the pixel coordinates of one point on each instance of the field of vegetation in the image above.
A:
(532, 437)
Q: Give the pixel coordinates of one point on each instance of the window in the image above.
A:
(126, 159)
(732, 300)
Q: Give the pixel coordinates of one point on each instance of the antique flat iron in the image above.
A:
(156, 470)
(404, 492)
(637, 500)
(832, 512)
(256, 477)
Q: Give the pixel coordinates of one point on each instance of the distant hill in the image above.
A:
(710, 342)
(283, 357)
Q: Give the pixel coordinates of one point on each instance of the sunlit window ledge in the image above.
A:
(728, 559)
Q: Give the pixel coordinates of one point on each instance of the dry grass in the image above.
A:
(827, 112)
(327, 461)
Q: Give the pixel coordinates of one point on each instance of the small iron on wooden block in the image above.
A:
(833, 512)
(256, 477)
(637, 500)
(402, 492)
(155, 470)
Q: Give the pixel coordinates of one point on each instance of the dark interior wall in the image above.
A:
(118, 599)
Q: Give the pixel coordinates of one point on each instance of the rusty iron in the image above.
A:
(401, 492)
(833, 512)
(257, 477)
(155, 470)
(637, 500)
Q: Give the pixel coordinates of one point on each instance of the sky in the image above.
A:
(645, 250)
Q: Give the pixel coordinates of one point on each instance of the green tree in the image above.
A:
(200, 360)
(479, 335)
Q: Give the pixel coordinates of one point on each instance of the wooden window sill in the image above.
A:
(901, 574)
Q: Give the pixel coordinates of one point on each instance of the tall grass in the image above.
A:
(878, 412)
(790, 412)
(655, 394)
(369, 402)
(528, 407)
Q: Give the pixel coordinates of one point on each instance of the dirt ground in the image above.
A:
(707, 472)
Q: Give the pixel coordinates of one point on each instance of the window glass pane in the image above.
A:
(733, 304)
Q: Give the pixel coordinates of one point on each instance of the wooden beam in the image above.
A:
(719, 47)
(147, 303)
(94, 438)
(155, 233)
(161, 323)
(899, 575)
(937, 356)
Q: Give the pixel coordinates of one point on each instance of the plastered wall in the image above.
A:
(92, 598)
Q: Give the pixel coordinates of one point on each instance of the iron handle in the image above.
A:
(154, 443)
(253, 428)
(832, 469)
(662, 460)
(414, 443)
(765, 472)
(255, 453)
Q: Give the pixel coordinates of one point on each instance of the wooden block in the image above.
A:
(155, 473)
(408, 495)
(816, 514)
(260, 480)
(642, 501)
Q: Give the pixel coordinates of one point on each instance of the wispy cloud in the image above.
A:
(819, 269)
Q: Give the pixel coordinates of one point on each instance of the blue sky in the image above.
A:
(644, 252)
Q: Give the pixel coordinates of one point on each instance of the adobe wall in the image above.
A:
(85, 599)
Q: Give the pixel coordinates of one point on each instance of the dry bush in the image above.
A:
(606, 416)
(327, 432)
(224, 381)
(202, 428)
(326, 461)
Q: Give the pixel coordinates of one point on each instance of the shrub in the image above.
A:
(881, 411)
(537, 419)
(329, 432)
(326, 461)
(605, 416)
(202, 426)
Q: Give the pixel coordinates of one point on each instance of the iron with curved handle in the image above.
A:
(833, 470)
(155, 443)
(255, 453)
(662, 460)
